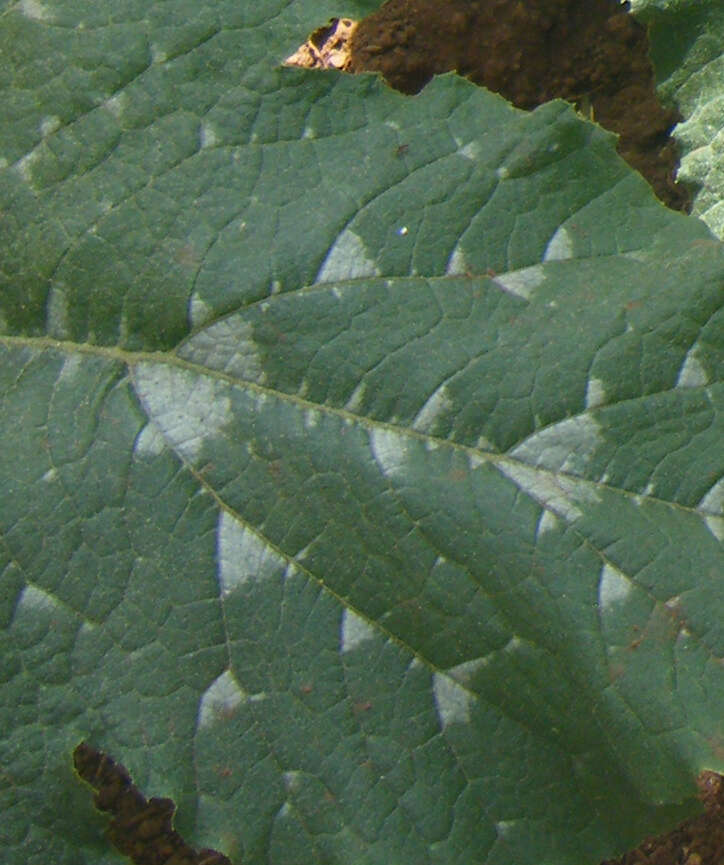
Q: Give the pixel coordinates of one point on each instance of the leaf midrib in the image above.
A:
(132, 359)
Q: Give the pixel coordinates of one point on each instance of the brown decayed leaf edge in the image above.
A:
(141, 828)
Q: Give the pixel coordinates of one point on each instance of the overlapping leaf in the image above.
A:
(368, 501)
(686, 38)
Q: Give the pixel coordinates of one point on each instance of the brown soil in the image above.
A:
(590, 52)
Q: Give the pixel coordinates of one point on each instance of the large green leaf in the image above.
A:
(687, 38)
(368, 502)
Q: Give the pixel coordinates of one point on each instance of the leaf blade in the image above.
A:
(329, 544)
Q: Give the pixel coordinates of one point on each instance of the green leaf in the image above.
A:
(686, 38)
(366, 503)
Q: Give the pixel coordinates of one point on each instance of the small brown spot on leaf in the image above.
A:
(275, 469)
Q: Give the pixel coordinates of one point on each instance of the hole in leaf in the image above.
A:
(141, 828)
(328, 47)
(592, 53)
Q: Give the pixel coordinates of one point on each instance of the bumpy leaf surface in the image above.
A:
(364, 500)
(687, 38)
